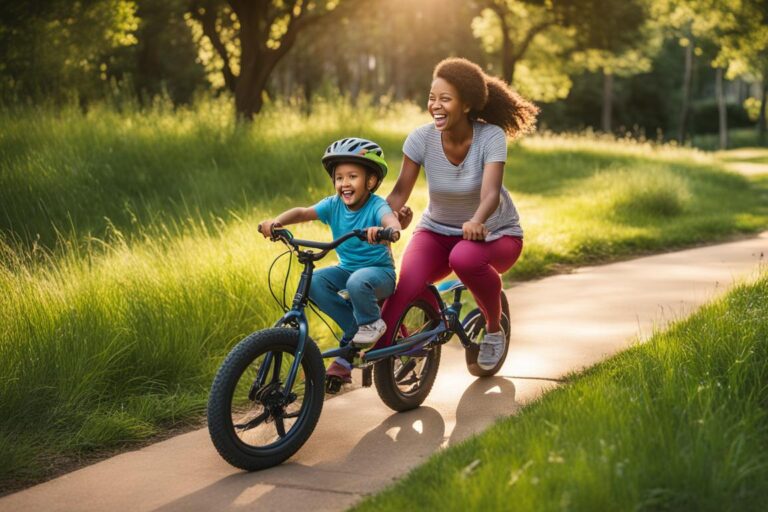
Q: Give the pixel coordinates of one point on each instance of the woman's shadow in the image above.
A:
(483, 402)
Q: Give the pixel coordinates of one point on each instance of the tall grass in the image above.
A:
(130, 262)
(678, 423)
(75, 173)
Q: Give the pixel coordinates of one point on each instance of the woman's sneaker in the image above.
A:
(491, 349)
(369, 334)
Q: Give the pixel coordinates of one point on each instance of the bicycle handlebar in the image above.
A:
(385, 234)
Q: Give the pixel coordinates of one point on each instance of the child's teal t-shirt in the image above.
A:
(355, 254)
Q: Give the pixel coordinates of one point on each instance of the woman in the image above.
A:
(470, 226)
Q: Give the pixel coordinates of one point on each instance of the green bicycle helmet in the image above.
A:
(359, 151)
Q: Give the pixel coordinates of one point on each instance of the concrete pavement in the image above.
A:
(560, 324)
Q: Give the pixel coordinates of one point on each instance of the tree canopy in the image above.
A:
(597, 63)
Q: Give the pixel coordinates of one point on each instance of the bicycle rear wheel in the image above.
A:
(474, 326)
(404, 382)
(253, 423)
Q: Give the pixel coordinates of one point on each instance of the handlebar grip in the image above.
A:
(388, 234)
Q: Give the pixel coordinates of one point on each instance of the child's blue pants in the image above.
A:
(366, 287)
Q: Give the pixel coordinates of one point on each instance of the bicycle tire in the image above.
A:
(474, 326)
(221, 403)
(396, 391)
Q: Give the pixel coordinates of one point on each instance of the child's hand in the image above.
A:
(404, 216)
(373, 232)
(265, 227)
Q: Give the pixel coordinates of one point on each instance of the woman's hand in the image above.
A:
(405, 216)
(472, 230)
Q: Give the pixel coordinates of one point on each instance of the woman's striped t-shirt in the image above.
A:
(454, 190)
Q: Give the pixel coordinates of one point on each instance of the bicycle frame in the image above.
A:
(407, 346)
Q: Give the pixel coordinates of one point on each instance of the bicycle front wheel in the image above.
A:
(403, 382)
(253, 421)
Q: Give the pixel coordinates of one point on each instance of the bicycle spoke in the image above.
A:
(278, 366)
(404, 369)
(280, 426)
(255, 422)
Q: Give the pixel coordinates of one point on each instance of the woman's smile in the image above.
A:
(445, 106)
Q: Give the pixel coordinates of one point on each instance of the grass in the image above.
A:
(737, 138)
(678, 423)
(130, 263)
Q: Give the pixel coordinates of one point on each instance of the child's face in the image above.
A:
(352, 184)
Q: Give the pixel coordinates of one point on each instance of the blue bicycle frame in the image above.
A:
(411, 345)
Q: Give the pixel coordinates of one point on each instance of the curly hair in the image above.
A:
(490, 99)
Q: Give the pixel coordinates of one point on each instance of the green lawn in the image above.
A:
(677, 423)
(737, 138)
(130, 263)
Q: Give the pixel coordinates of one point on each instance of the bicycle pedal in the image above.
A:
(333, 385)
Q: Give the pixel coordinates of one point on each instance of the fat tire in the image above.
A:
(383, 371)
(471, 353)
(245, 352)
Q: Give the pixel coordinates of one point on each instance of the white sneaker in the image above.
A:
(491, 349)
(369, 334)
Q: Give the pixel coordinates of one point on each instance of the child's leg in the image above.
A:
(478, 265)
(366, 286)
(326, 282)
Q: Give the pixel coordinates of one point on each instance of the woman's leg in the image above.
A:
(425, 261)
(478, 265)
(326, 282)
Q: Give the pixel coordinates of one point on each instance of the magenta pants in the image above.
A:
(430, 257)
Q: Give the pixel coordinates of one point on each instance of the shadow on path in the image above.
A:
(489, 396)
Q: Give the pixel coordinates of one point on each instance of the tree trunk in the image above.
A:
(607, 101)
(761, 124)
(721, 109)
(685, 108)
(508, 60)
(256, 65)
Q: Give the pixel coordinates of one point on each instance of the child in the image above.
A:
(365, 270)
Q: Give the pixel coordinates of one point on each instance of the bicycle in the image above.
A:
(267, 395)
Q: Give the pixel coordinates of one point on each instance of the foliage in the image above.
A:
(54, 47)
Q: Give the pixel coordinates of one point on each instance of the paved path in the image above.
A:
(561, 324)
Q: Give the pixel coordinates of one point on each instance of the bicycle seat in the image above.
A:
(449, 285)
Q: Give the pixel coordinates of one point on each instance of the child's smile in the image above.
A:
(351, 182)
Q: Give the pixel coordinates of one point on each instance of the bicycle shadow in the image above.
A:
(490, 396)
(401, 441)
(398, 443)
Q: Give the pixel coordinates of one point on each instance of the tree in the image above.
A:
(250, 37)
(745, 50)
(534, 59)
(727, 31)
(53, 47)
(620, 64)
(595, 24)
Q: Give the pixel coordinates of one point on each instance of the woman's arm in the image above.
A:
(409, 173)
(292, 216)
(490, 193)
